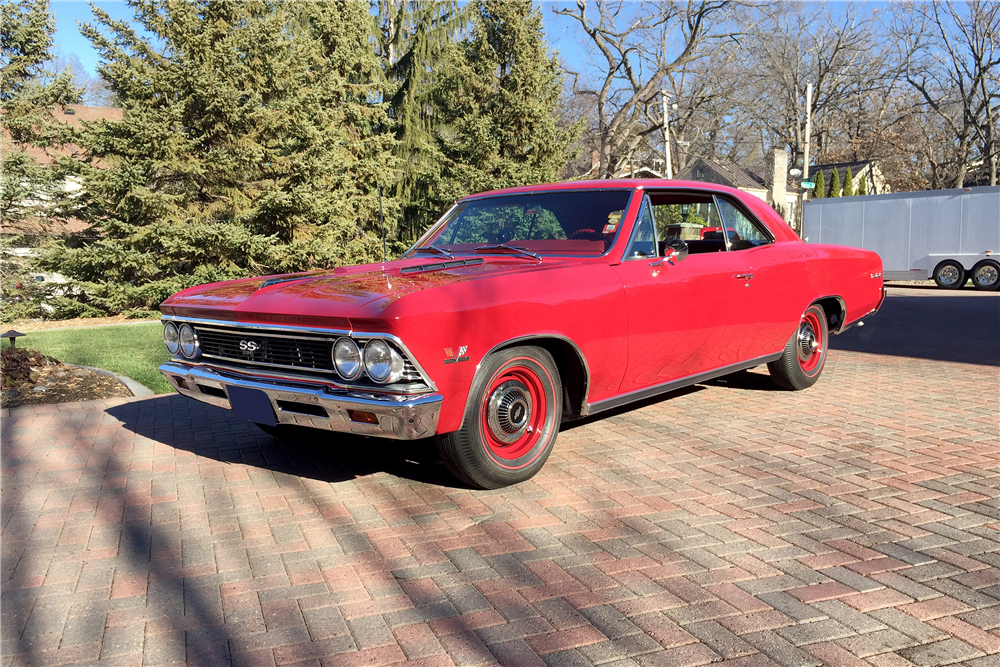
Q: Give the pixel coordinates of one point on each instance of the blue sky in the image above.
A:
(560, 31)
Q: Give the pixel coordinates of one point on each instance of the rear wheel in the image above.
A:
(805, 353)
(986, 275)
(511, 420)
(949, 274)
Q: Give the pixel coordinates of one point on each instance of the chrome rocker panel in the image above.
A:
(399, 417)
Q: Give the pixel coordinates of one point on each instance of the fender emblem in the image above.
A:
(450, 358)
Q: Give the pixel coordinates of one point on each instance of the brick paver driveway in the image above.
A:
(856, 523)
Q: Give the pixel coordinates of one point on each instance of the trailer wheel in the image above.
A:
(986, 275)
(949, 274)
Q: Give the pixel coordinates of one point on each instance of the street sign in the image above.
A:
(808, 185)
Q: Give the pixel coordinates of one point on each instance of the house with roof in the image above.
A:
(73, 115)
(783, 193)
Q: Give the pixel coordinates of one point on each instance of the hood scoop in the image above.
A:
(438, 266)
(276, 281)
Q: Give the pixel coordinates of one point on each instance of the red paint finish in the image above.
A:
(632, 325)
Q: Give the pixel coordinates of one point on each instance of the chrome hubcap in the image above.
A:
(987, 275)
(808, 345)
(949, 275)
(509, 411)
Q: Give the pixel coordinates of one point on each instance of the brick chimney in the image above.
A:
(779, 177)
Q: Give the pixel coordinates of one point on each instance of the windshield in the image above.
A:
(568, 222)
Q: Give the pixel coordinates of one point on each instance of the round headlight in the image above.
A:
(382, 363)
(347, 358)
(171, 338)
(188, 341)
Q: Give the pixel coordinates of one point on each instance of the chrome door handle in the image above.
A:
(743, 276)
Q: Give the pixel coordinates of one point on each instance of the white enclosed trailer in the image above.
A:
(949, 235)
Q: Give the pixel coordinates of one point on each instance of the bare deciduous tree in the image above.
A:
(638, 44)
(951, 57)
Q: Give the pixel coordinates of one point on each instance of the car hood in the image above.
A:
(327, 298)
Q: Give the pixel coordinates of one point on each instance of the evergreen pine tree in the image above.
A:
(849, 183)
(499, 100)
(29, 190)
(252, 142)
(414, 37)
(819, 192)
(835, 184)
(32, 195)
(862, 186)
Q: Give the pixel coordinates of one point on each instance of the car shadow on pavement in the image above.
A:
(183, 424)
(926, 324)
(630, 407)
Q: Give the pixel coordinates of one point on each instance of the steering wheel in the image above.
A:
(587, 234)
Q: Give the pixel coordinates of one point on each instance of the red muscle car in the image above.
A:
(518, 310)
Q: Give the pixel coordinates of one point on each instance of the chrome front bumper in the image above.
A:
(399, 417)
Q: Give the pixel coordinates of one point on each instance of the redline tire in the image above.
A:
(949, 274)
(986, 275)
(511, 420)
(804, 355)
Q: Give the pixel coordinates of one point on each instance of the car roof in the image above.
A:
(611, 184)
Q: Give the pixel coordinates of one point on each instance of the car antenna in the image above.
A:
(382, 216)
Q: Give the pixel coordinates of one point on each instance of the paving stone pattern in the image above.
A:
(855, 523)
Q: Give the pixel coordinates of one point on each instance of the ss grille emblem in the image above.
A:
(248, 347)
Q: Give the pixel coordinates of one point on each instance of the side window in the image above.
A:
(644, 237)
(742, 232)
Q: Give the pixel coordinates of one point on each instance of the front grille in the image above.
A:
(308, 353)
(280, 350)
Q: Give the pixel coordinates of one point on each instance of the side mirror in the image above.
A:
(677, 250)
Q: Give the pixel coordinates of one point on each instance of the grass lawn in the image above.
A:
(135, 350)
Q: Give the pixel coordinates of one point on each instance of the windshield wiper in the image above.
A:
(434, 248)
(503, 248)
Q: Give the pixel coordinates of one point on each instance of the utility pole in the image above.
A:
(805, 159)
(666, 136)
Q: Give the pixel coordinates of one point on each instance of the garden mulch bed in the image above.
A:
(50, 381)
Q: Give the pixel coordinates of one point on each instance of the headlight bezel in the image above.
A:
(356, 350)
(168, 327)
(390, 357)
(195, 344)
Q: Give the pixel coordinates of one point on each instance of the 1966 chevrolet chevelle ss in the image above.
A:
(521, 309)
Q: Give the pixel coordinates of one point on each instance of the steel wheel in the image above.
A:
(804, 355)
(511, 421)
(811, 341)
(949, 274)
(986, 275)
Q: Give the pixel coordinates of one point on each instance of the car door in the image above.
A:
(772, 283)
(685, 317)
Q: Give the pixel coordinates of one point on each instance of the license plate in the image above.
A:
(252, 405)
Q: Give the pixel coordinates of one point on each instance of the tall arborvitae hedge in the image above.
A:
(849, 183)
(819, 192)
(252, 142)
(835, 184)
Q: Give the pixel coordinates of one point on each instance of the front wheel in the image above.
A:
(804, 356)
(986, 275)
(511, 420)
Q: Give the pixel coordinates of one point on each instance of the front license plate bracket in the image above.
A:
(252, 405)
